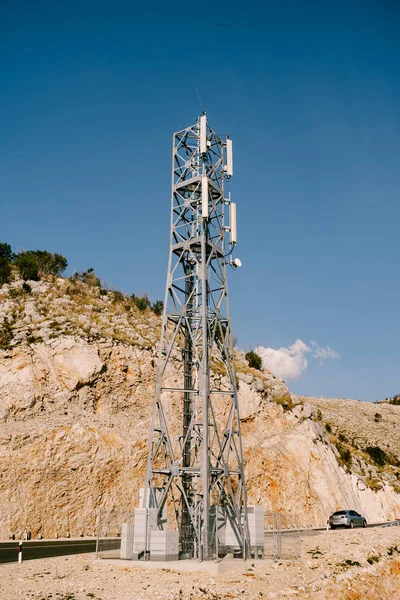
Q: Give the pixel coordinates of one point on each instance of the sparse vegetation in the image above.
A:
(118, 296)
(377, 454)
(393, 400)
(346, 564)
(89, 277)
(318, 415)
(14, 292)
(345, 455)
(377, 417)
(328, 427)
(6, 334)
(141, 302)
(157, 307)
(374, 484)
(254, 360)
(285, 401)
(33, 339)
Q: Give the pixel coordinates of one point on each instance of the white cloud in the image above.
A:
(291, 362)
(322, 353)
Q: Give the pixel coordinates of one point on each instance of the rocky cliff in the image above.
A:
(77, 369)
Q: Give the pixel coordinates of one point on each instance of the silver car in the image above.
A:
(346, 518)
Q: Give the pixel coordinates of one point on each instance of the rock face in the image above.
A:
(76, 391)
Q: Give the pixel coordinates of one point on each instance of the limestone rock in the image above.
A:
(75, 412)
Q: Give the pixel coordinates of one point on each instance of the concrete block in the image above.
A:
(164, 545)
(127, 540)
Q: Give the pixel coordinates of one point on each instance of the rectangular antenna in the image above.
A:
(203, 134)
(204, 197)
(232, 219)
(229, 158)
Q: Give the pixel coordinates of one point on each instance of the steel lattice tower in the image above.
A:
(195, 472)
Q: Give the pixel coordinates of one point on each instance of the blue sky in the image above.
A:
(90, 95)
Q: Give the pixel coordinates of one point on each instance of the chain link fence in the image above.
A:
(282, 536)
(109, 525)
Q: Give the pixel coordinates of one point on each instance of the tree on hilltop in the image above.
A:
(6, 252)
(33, 264)
(6, 256)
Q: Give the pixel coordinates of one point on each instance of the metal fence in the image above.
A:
(109, 524)
(282, 536)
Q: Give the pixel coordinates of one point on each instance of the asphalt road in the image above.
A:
(48, 548)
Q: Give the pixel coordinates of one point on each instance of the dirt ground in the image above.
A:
(338, 565)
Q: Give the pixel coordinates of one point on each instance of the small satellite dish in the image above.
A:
(237, 262)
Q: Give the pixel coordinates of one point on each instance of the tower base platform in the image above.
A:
(224, 565)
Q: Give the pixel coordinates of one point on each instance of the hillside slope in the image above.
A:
(77, 369)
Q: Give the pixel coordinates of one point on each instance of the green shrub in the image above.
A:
(378, 417)
(350, 563)
(118, 296)
(6, 334)
(141, 302)
(89, 277)
(377, 454)
(328, 428)
(157, 307)
(26, 287)
(5, 271)
(33, 339)
(345, 454)
(103, 292)
(254, 360)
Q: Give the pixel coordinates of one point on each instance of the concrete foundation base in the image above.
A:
(184, 566)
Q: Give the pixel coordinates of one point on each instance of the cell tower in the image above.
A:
(195, 472)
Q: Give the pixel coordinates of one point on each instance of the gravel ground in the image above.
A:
(337, 565)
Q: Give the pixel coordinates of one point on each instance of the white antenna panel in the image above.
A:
(229, 158)
(203, 134)
(204, 197)
(232, 219)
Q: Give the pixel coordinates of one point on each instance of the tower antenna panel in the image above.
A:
(229, 158)
(232, 220)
